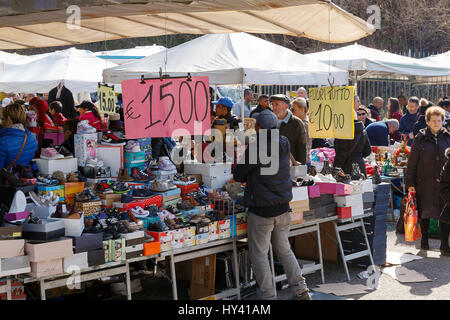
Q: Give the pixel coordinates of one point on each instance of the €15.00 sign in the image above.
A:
(106, 99)
(156, 108)
(331, 113)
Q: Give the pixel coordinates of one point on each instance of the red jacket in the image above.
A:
(59, 119)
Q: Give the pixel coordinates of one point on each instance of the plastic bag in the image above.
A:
(411, 217)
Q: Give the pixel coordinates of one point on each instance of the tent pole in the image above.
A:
(243, 104)
(355, 80)
(215, 92)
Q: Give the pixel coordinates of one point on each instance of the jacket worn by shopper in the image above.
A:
(11, 141)
(266, 195)
(374, 113)
(361, 151)
(93, 120)
(258, 109)
(294, 130)
(378, 133)
(425, 163)
(407, 123)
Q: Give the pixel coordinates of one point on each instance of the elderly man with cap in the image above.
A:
(223, 111)
(290, 126)
(267, 196)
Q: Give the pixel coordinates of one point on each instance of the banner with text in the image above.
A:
(106, 99)
(331, 112)
(156, 108)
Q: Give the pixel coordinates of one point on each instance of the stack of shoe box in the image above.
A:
(47, 258)
(224, 227)
(134, 160)
(213, 231)
(85, 147)
(165, 238)
(354, 201)
(12, 258)
(375, 225)
(214, 175)
(299, 203)
(47, 230)
(88, 249)
(133, 245)
(238, 224)
(189, 239)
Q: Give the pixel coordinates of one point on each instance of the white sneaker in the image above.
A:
(19, 203)
(94, 163)
(132, 146)
(85, 127)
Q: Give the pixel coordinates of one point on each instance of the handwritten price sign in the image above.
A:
(331, 112)
(158, 107)
(106, 99)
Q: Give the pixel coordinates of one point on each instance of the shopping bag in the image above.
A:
(411, 217)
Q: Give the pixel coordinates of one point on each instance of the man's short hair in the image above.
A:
(57, 106)
(263, 96)
(247, 91)
(377, 98)
(401, 97)
(414, 100)
(394, 123)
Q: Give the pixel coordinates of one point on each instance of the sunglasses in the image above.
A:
(361, 114)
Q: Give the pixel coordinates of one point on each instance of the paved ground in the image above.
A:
(433, 266)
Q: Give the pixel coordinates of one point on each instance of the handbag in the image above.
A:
(5, 171)
(411, 218)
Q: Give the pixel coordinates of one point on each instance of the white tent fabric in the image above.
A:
(122, 56)
(80, 70)
(439, 59)
(373, 63)
(236, 58)
(27, 25)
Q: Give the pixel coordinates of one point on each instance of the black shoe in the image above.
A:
(340, 176)
(11, 178)
(356, 172)
(66, 153)
(326, 168)
(312, 171)
(424, 244)
(377, 177)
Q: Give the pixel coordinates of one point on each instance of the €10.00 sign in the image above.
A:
(331, 112)
(158, 107)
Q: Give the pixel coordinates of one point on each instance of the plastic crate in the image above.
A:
(141, 203)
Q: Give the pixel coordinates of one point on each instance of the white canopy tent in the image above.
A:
(364, 62)
(442, 59)
(122, 56)
(27, 25)
(80, 70)
(236, 58)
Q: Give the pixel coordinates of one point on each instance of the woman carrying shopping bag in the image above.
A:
(422, 175)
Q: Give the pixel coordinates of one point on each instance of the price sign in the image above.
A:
(106, 99)
(156, 108)
(331, 113)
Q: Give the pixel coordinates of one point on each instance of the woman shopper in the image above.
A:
(353, 151)
(444, 219)
(88, 111)
(425, 162)
(18, 144)
(393, 107)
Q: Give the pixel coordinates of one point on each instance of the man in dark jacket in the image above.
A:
(409, 119)
(263, 104)
(267, 196)
(376, 107)
(353, 151)
(378, 132)
(63, 95)
(290, 126)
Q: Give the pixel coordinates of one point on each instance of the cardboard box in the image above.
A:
(303, 204)
(213, 236)
(297, 217)
(47, 230)
(299, 194)
(326, 199)
(314, 203)
(10, 232)
(198, 178)
(151, 248)
(134, 159)
(14, 265)
(314, 191)
(17, 216)
(134, 238)
(344, 212)
(112, 157)
(59, 190)
(78, 260)
(189, 242)
(224, 233)
(49, 250)
(96, 257)
(73, 187)
(357, 210)
(201, 227)
(72, 227)
(166, 246)
(368, 197)
(162, 237)
(85, 147)
(343, 189)
(202, 238)
(47, 167)
(358, 187)
(367, 185)
(178, 234)
(327, 187)
(118, 249)
(87, 241)
(46, 268)
(298, 171)
(224, 224)
(107, 248)
(108, 198)
(89, 208)
(189, 232)
(43, 212)
(11, 248)
(207, 169)
(177, 244)
(349, 201)
(216, 182)
(203, 277)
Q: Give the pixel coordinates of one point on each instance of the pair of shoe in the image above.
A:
(103, 187)
(50, 154)
(192, 201)
(23, 172)
(109, 138)
(184, 206)
(86, 196)
(47, 181)
(138, 212)
(142, 193)
(164, 164)
(94, 163)
(199, 218)
(83, 127)
(172, 209)
(120, 188)
(340, 176)
(11, 178)
(132, 146)
(126, 198)
(137, 174)
(49, 199)
(159, 186)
